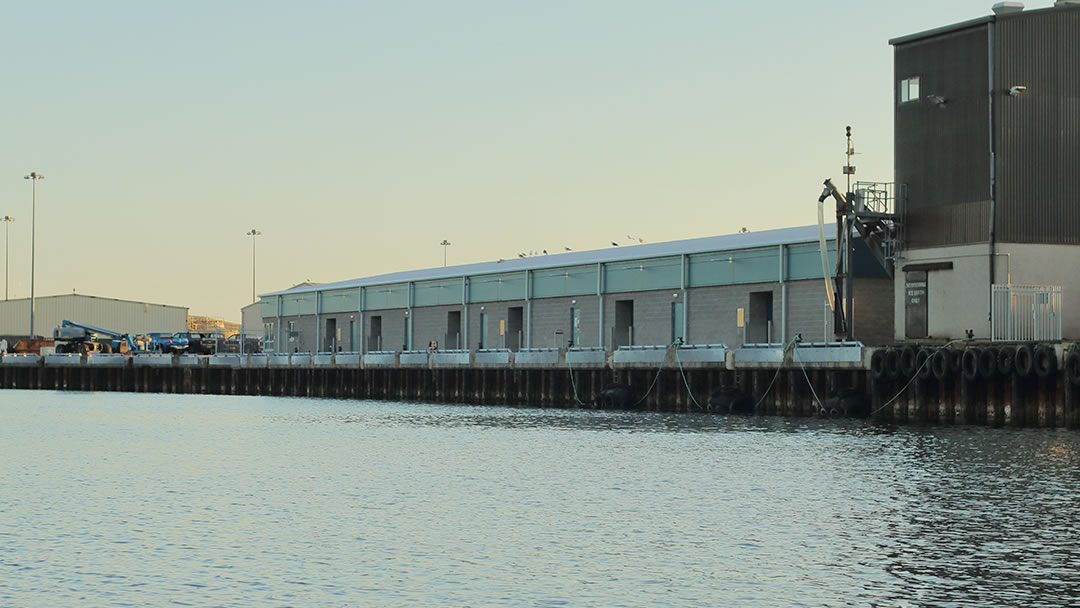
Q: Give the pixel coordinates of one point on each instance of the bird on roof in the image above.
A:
(567, 248)
(545, 252)
(521, 255)
(614, 244)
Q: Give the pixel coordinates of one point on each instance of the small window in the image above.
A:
(909, 89)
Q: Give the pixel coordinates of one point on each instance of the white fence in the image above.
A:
(1026, 313)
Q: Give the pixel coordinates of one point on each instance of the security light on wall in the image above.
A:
(1016, 91)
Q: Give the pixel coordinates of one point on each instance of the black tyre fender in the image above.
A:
(922, 363)
(892, 363)
(907, 361)
(1006, 360)
(988, 362)
(877, 365)
(1046, 362)
(1024, 360)
(956, 360)
(940, 363)
(970, 363)
(1072, 367)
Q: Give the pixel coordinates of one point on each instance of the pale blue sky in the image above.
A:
(358, 135)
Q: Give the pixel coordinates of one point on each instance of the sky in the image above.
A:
(357, 136)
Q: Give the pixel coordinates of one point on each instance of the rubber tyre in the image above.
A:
(987, 363)
(877, 365)
(908, 355)
(970, 363)
(956, 360)
(1024, 361)
(940, 363)
(1006, 360)
(922, 363)
(1046, 362)
(892, 364)
(1072, 367)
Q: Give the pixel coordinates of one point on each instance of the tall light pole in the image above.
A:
(33, 176)
(7, 219)
(254, 233)
(445, 243)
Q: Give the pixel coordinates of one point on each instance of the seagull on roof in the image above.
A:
(545, 252)
(521, 255)
(614, 244)
(567, 248)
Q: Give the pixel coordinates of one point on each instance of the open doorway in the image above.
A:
(759, 328)
(330, 343)
(453, 329)
(623, 334)
(515, 326)
(375, 335)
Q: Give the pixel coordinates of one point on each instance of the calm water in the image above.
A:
(117, 500)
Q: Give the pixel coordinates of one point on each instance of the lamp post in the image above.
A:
(445, 243)
(7, 219)
(34, 177)
(253, 233)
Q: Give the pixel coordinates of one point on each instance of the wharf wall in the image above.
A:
(795, 382)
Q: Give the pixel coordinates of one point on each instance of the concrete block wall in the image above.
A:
(430, 323)
(552, 314)
(806, 302)
(393, 328)
(305, 340)
(714, 313)
(652, 316)
(496, 311)
(874, 310)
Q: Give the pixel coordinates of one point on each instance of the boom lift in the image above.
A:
(72, 337)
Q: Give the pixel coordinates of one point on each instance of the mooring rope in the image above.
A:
(791, 343)
(656, 377)
(577, 398)
(795, 353)
(686, 382)
(915, 375)
(573, 384)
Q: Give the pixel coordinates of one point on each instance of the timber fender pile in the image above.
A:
(992, 384)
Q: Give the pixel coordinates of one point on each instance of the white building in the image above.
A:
(110, 313)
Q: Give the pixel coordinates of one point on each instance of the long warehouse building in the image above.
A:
(735, 289)
(125, 316)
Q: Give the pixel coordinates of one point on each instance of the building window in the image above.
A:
(909, 89)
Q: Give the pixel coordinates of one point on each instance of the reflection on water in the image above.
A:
(119, 499)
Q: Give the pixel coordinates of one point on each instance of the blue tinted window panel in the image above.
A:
(382, 297)
(499, 287)
(643, 275)
(804, 261)
(300, 304)
(341, 300)
(569, 281)
(436, 293)
(734, 267)
(268, 307)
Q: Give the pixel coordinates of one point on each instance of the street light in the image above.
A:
(7, 219)
(445, 243)
(34, 177)
(254, 233)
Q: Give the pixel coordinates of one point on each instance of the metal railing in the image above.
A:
(1026, 313)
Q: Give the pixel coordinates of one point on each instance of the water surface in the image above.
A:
(134, 499)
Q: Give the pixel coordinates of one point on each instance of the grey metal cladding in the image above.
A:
(942, 139)
(1038, 163)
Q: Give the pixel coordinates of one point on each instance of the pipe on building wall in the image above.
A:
(528, 310)
(992, 236)
(464, 329)
(685, 301)
(600, 298)
(318, 321)
(360, 314)
(783, 294)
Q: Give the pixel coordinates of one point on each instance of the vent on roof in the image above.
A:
(1067, 3)
(1008, 8)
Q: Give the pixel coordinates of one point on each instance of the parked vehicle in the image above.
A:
(72, 337)
(198, 343)
(252, 344)
(166, 342)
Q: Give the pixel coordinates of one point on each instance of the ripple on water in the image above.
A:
(117, 499)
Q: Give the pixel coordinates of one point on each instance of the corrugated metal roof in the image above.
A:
(938, 31)
(747, 240)
(82, 295)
